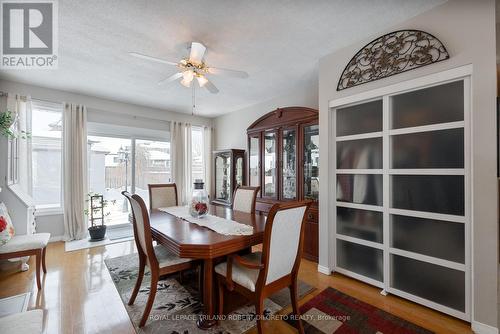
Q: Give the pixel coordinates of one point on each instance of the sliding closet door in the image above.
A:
(428, 187)
(359, 184)
(402, 195)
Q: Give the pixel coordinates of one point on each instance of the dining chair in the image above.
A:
(162, 195)
(260, 274)
(244, 199)
(158, 258)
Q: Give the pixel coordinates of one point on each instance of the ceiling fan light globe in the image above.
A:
(188, 75)
(186, 83)
(202, 81)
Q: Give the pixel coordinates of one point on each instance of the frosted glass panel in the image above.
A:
(362, 224)
(361, 153)
(431, 193)
(435, 149)
(357, 188)
(360, 259)
(362, 118)
(435, 283)
(440, 104)
(445, 240)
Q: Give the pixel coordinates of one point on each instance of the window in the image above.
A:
(109, 173)
(197, 149)
(152, 165)
(45, 184)
(116, 164)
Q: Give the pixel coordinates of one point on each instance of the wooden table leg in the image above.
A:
(207, 319)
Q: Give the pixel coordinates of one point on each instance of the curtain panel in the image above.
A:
(178, 148)
(208, 144)
(74, 171)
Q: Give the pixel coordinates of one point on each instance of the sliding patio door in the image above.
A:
(402, 194)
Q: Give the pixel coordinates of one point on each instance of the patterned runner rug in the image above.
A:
(176, 306)
(332, 311)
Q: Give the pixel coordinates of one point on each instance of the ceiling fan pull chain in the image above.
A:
(193, 100)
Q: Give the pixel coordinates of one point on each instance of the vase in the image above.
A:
(199, 200)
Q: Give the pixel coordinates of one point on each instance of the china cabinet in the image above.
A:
(229, 170)
(283, 159)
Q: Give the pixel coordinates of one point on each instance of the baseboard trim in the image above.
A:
(324, 270)
(480, 328)
(56, 238)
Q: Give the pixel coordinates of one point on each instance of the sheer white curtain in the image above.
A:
(23, 111)
(208, 138)
(188, 163)
(74, 170)
(19, 146)
(180, 147)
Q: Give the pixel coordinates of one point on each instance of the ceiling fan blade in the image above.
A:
(171, 78)
(197, 52)
(211, 87)
(227, 72)
(158, 60)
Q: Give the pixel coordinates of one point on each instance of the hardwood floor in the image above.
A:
(78, 295)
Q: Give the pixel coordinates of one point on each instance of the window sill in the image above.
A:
(20, 194)
(48, 211)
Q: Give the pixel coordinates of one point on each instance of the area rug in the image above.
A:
(177, 306)
(332, 311)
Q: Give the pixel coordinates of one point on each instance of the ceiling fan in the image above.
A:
(193, 67)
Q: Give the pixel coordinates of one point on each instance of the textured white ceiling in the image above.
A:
(277, 42)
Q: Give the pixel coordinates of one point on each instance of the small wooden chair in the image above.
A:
(162, 195)
(244, 199)
(28, 245)
(158, 258)
(258, 275)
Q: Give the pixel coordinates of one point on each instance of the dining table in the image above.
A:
(189, 240)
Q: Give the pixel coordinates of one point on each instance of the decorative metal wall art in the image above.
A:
(393, 53)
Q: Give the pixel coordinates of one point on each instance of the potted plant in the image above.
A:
(95, 211)
(7, 119)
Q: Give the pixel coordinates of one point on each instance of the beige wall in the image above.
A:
(231, 129)
(467, 28)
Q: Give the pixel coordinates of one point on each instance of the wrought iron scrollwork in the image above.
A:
(391, 54)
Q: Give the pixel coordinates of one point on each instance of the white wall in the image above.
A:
(467, 28)
(99, 110)
(231, 129)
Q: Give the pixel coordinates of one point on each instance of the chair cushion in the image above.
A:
(242, 275)
(166, 258)
(25, 242)
(6, 226)
(29, 322)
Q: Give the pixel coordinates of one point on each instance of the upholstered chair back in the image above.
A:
(244, 199)
(142, 227)
(284, 242)
(162, 195)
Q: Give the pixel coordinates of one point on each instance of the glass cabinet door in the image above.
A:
(254, 161)
(239, 171)
(223, 177)
(270, 164)
(289, 165)
(311, 162)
